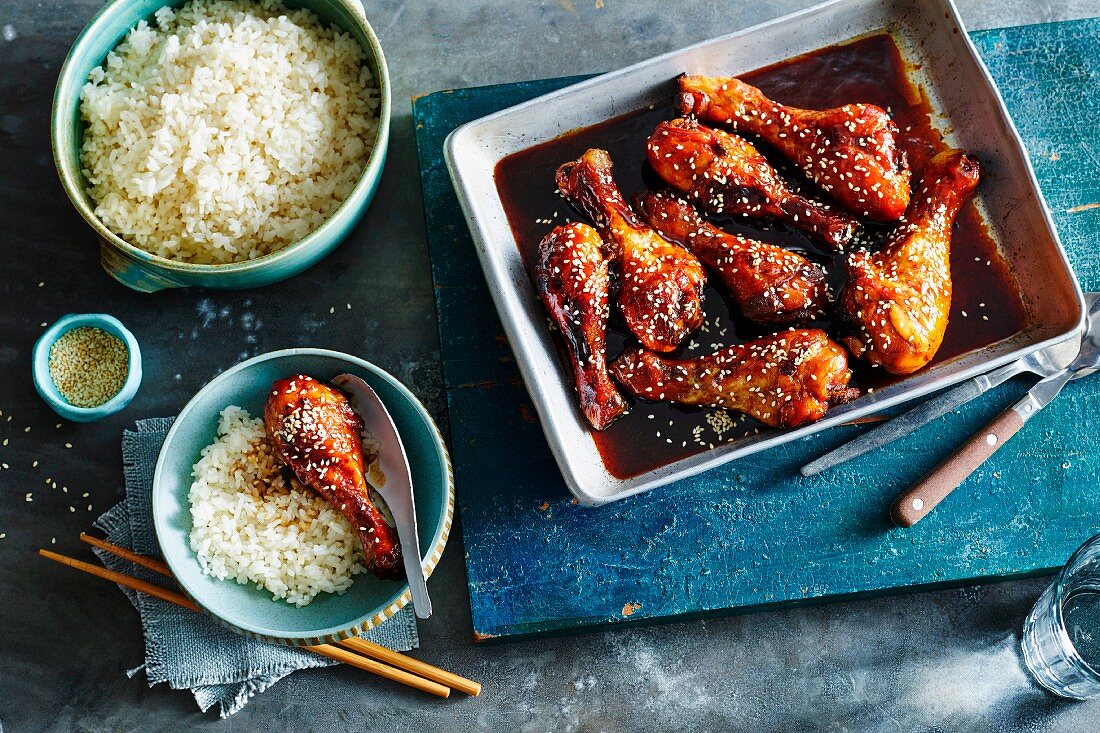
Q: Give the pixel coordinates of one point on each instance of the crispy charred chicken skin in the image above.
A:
(784, 380)
(319, 437)
(851, 152)
(895, 305)
(724, 174)
(768, 283)
(661, 293)
(572, 278)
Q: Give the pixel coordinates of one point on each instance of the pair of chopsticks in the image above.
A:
(370, 656)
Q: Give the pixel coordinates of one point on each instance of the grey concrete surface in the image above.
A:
(942, 661)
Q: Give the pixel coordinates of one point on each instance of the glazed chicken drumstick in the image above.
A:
(895, 305)
(661, 293)
(768, 283)
(851, 152)
(724, 174)
(318, 435)
(571, 275)
(784, 380)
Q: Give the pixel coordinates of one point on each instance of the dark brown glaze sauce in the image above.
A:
(865, 70)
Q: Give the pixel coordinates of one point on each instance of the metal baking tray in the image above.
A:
(968, 109)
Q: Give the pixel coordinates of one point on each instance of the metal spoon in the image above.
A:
(398, 489)
(1043, 362)
(913, 505)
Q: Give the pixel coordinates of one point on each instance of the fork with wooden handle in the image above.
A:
(914, 504)
(383, 662)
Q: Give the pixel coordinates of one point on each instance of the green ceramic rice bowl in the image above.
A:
(252, 611)
(147, 272)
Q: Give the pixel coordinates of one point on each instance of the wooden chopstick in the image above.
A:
(151, 589)
(325, 650)
(143, 560)
(397, 659)
(369, 648)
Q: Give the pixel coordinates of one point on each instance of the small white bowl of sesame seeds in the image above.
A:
(87, 366)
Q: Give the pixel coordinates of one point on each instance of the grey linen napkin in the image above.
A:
(188, 649)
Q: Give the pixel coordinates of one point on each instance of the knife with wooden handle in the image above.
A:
(913, 505)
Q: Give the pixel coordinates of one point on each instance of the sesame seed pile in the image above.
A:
(88, 366)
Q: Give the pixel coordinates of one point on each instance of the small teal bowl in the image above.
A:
(140, 270)
(43, 382)
(251, 611)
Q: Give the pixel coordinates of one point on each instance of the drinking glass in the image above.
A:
(1062, 633)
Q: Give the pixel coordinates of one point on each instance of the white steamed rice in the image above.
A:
(252, 525)
(226, 130)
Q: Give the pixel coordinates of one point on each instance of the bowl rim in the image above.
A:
(76, 193)
(432, 553)
(43, 380)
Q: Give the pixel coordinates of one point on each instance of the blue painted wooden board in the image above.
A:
(753, 533)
